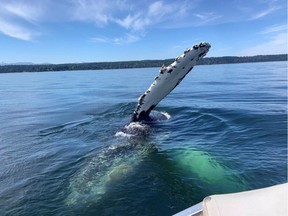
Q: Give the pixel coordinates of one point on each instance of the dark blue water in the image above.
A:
(227, 132)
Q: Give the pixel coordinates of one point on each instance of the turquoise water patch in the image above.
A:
(197, 165)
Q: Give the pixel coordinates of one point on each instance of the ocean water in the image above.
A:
(63, 150)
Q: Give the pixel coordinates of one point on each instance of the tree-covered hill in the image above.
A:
(135, 64)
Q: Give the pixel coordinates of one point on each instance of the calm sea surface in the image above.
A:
(60, 155)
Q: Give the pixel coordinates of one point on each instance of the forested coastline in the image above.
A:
(134, 64)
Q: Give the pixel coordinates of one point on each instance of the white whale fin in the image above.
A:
(168, 79)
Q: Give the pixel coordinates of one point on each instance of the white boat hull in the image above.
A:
(268, 201)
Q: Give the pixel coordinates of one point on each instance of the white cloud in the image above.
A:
(207, 17)
(277, 44)
(130, 21)
(274, 28)
(159, 9)
(16, 31)
(28, 12)
(137, 19)
(151, 15)
(88, 10)
(19, 19)
(128, 38)
(264, 13)
(25, 19)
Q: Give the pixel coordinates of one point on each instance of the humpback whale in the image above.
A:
(168, 78)
(115, 163)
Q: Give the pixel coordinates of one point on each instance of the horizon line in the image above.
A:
(89, 62)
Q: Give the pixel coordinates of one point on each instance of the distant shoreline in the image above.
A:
(135, 64)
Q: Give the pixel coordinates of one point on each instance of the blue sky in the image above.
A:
(62, 31)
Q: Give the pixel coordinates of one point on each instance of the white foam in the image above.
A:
(122, 134)
(135, 125)
(167, 115)
(159, 116)
(133, 129)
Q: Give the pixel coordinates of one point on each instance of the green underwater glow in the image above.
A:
(199, 165)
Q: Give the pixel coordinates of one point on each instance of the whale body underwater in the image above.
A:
(113, 164)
